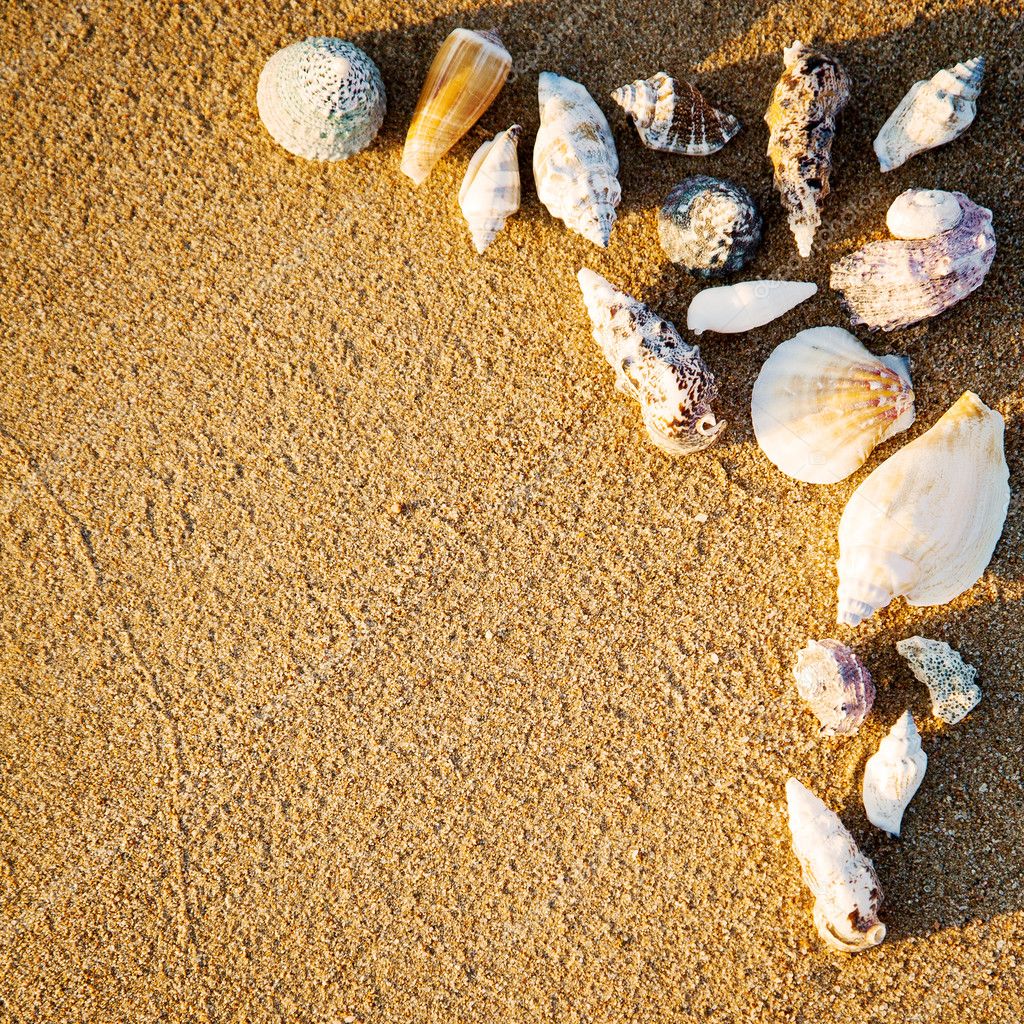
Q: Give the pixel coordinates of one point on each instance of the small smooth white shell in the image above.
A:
(822, 402)
(575, 164)
(934, 112)
(321, 98)
(950, 679)
(847, 893)
(924, 524)
(893, 774)
(490, 190)
(734, 308)
(923, 212)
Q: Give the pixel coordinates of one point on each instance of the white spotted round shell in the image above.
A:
(321, 98)
(950, 680)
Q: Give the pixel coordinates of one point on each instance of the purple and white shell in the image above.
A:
(836, 685)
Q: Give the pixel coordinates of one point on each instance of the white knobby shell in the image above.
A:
(923, 212)
(893, 774)
(655, 367)
(935, 111)
(899, 282)
(674, 117)
(950, 679)
(321, 98)
(734, 308)
(490, 190)
(822, 402)
(575, 164)
(846, 890)
(924, 524)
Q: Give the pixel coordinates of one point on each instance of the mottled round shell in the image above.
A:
(950, 679)
(322, 98)
(836, 686)
(709, 226)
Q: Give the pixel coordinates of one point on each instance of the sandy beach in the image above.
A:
(361, 660)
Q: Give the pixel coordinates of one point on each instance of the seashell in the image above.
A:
(321, 98)
(822, 402)
(893, 774)
(894, 284)
(674, 117)
(490, 189)
(934, 112)
(836, 686)
(950, 680)
(734, 308)
(846, 890)
(654, 366)
(710, 226)
(465, 76)
(574, 159)
(924, 524)
(801, 118)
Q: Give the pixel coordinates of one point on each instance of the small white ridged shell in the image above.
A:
(490, 189)
(674, 117)
(822, 402)
(653, 366)
(836, 685)
(893, 774)
(897, 283)
(734, 308)
(321, 98)
(574, 160)
(950, 680)
(924, 524)
(934, 112)
(846, 890)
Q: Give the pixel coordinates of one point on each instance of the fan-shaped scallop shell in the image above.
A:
(822, 402)
(835, 685)
(924, 524)
(950, 679)
(934, 112)
(674, 117)
(893, 774)
(464, 78)
(490, 189)
(321, 98)
(847, 893)
(893, 284)
(709, 226)
(812, 91)
(654, 366)
(575, 164)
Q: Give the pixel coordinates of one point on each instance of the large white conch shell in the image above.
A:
(934, 112)
(893, 774)
(847, 893)
(654, 366)
(321, 98)
(734, 308)
(944, 249)
(575, 164)
(822, 402)
(490, 189)
(925, 523)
